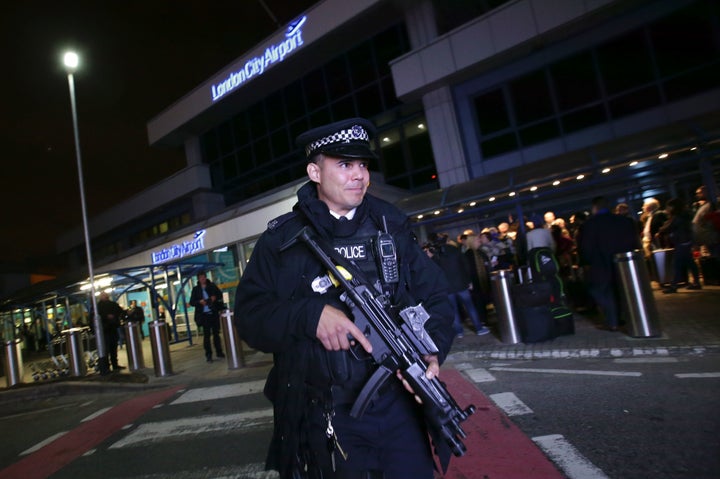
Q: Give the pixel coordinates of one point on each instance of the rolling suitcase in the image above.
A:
(532, 303)
(563, 320)
(536, 323)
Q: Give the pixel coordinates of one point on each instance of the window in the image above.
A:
(625, 62)
(338, 78)
(491, 112)
(583, 118)
(634, 102)
(686, 38)
(531, 97)
(575, 81)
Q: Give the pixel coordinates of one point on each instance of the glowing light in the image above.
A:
(436, 212)
(71, 60)
(492, 198)
(662, 156)
(386, 139)
(473, 203)
(633, 163)
(533, 188)
(556, 182)
(512, 193)
(420, 217)
(580, 177)
(421, 126)
(693, 148)
(461, 210)
(606, 170)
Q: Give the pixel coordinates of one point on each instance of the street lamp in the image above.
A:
(71, 61)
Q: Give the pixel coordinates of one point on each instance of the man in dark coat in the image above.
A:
(456, 267)
(135, 314)
(204, 298)
(603, 236)
(283, 307)
(110, 316)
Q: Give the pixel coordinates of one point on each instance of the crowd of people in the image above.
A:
(584, 247)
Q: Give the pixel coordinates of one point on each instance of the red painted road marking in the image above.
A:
(496, 447)
(61, 452)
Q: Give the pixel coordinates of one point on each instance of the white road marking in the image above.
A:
(42, 444)
(479, 375)
(177, 428)
(96, 414)
(245, 471)
(90, 452)
(646, 360)
(569, 459)
(697, 375)
(463, 366)
(569, 371)
(220, 392)
(511, 404)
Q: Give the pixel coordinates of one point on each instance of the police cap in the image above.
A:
(343, 139)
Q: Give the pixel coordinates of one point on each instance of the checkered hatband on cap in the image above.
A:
(354, 133)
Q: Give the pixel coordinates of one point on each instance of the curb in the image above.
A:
(586, 353)
(89, 384)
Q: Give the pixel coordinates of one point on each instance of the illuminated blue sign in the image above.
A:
(177, 251)
(256, 66)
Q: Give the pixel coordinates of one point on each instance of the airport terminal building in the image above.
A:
(485, 109)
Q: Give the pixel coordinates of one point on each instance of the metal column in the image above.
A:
(502, 282)
(637, 296)
(233, 346)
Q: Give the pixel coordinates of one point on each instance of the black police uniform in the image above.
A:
(276, 310)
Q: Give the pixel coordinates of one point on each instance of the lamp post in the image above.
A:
(71, 62)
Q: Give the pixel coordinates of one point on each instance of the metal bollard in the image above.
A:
(663, 263)
(637, 296)
(133, 346)
(233, 346)
(13, 363)
(75, 351)
(502, 282)
(160, 348)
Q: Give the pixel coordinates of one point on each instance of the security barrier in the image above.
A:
(233, 346)
(502, 282)
(13, 363)
(637, 297)
(133, 345)
(160, 348)
(75, 351)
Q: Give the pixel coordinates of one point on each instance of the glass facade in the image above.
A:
(664, 61)
(254, 151)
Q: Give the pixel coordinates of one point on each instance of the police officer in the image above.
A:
(280, 309)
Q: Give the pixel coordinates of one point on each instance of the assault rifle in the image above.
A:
(397, 344)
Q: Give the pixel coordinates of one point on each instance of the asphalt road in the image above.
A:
(594, 418)
(631, 418)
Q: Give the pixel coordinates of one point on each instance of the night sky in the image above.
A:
(137, 58)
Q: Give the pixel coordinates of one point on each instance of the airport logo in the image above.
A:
(180, 250)
(256, 66)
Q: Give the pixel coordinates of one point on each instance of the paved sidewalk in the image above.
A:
(689, 320)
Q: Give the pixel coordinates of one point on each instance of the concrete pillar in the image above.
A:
(420, 22)
(445, 137)
(193, 153)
